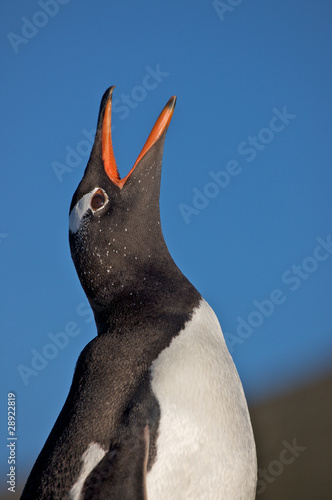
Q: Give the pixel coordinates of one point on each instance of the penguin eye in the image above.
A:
(98, 200)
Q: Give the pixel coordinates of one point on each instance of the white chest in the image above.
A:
(205, 447)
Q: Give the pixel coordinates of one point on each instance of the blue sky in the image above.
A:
(246, 186)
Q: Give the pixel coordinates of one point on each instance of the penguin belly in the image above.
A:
(205, 444)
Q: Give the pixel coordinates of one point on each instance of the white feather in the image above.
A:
(205, 445)
(78, 212)
(90, 458)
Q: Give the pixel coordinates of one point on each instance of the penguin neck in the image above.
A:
(137, 283)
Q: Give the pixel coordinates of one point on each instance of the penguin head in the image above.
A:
(114, 224)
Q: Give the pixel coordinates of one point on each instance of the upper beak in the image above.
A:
(157, 131)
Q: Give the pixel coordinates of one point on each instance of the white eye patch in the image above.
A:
(81, 208)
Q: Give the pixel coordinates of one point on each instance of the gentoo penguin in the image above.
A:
(156, 409)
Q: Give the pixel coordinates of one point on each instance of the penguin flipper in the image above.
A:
(122, 471)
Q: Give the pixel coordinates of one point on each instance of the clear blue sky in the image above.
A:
(246, 185)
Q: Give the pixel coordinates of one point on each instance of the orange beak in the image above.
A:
(159, 128)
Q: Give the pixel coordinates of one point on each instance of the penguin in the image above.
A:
(156, 409)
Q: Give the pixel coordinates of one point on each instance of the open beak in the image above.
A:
(157, 131)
